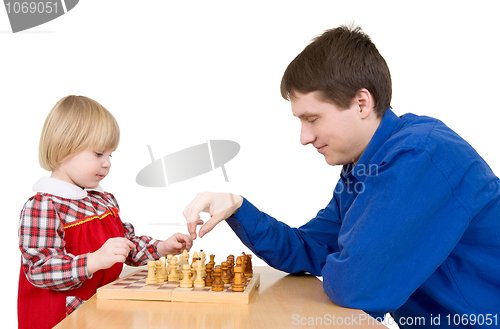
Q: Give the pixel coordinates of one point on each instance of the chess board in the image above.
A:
(133, 286)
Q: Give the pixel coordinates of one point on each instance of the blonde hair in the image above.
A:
(75, 124)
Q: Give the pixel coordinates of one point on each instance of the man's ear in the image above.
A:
(365, 103)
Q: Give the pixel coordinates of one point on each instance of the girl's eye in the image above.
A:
(99, 154)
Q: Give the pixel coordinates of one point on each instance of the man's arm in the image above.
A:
(289, 249)
(395, 235)
(285, 248)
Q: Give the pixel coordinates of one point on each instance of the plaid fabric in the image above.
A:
(42, 239)
(72, 303)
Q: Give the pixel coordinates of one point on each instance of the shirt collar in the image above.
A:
(382, 134)
(62, 189)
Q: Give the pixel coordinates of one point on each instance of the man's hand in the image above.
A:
(114, 250)
(175, 244)
(220, 206)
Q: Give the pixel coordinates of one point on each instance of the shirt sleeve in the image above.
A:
(398, 231)
(288, 249)
(146, 247)
(41, 241)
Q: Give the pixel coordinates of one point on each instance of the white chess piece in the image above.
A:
(199, 282)
(186, 282)
(151, 278)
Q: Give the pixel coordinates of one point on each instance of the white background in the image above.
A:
(176, 74)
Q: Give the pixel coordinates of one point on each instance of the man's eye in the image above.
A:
(311, 120)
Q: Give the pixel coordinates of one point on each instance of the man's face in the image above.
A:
(336, 133)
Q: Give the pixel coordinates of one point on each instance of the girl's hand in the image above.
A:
(175, 244)
(114, 250)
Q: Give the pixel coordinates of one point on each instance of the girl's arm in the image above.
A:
(41, 241)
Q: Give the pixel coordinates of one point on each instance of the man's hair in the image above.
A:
(75, 124)
(337, 64)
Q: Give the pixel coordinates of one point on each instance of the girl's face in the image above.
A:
(85, 169)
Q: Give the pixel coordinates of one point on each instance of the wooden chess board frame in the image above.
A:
(134, 287)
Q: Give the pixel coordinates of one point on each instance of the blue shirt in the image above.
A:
(413, 229)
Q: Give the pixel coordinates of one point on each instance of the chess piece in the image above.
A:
(244, 264)
(168, 269)
(163, 261)
(186, 281)
(203, 260)
(217, 285)
(209, 279)
(151, 278)
(183, 259)
(195, 258)
(238, 283)
(212, 261)
(194, 274)
(224, 277)
(199, 283)
(230, 267)
(248, 267)
(202, 256)
(174, 272)
(160, 278)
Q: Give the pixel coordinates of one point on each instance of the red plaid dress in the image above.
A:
(59, 226)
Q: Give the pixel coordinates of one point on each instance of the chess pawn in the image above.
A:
(160, 278)
(249, 268)
(209, 279)
(238, 283)
(217, 285)
(174, 272)
(224, 277)
(151, 278)
(199, 283)
(186, 281)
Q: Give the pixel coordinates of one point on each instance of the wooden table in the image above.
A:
(283, 301)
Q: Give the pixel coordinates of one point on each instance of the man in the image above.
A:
(413, 227)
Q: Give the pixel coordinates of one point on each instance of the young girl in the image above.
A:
(71, 237)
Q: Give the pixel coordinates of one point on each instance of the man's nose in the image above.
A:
(306, 135)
